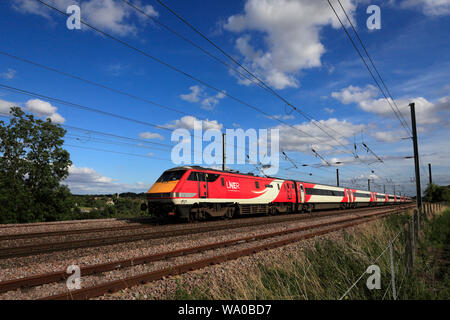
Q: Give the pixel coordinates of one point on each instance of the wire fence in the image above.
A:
(400, 256)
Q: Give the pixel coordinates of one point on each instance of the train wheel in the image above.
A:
(229, 214)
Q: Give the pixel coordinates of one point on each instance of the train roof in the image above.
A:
(252, 175)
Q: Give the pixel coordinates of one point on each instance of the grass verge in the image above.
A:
(330, 266)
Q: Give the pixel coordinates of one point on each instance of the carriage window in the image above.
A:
(278, 186)
(223, 182)
(257, 184)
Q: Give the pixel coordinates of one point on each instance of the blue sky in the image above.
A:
(297, 47)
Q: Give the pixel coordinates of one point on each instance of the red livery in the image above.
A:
(196, 193)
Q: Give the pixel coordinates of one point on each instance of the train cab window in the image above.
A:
(278, 186)
(171, 176)
(223, 182)
(257, 184)
(212, 177)
(192, 176)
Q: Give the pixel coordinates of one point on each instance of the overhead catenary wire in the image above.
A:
(368, 69)
(188, 75)
(258, 79)
(374, 67)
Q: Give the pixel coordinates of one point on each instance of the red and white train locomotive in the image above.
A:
(196, 193)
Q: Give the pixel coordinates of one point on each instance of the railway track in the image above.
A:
(117, 285)
(26, 250)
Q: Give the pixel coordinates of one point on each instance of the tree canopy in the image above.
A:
(32, 165)
(435, 193)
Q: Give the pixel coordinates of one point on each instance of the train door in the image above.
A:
(301, 194)
(202, 184)
(289, 190)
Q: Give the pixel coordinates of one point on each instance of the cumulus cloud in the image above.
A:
(292, 140)
(44, 109)
(429, 7)
(367, 99)
(9, 74)
(187, 122)
(82, 180)
(387, 136)
(197, 94)
(291, 36)
(39, 108)
(5, 106)
(109, 15)
(149, 135)
(281, 116)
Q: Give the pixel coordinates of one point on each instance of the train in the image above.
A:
(196, 193)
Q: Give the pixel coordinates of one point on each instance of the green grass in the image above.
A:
(327, 269)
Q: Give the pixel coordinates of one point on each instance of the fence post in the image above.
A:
(408, 248)
(391, 254)
(416, 226)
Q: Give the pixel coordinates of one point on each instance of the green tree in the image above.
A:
(435, 193)
(32, 165)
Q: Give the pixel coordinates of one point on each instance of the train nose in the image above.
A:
(163, 187)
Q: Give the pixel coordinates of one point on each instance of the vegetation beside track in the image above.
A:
(329, 268)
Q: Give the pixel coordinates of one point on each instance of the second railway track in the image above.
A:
(25, 250)
(113, 286)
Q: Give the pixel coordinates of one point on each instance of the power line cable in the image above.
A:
(183, 73)
(368, 68)
(374, 67)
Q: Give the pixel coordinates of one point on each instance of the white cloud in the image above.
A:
(187, 122)
(281, 116)
(9, 74)
(44, 109)
(353, 94)
(291, 139)
(366, 99)
(5, 106)
(149, 135)
(329, 110)
(207, 102)
(429, 7)
(109, 15)
(193, 96)
(87, 180)
(388, 136)
(291, 36)
(39, 108)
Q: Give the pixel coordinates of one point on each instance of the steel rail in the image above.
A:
(26, 250)
(116, 285)
(6, 237)
(98, 268)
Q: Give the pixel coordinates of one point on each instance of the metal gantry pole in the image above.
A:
(337, 177)
(368, 184)
(429, 173)
(223, 151)
(416, 157)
